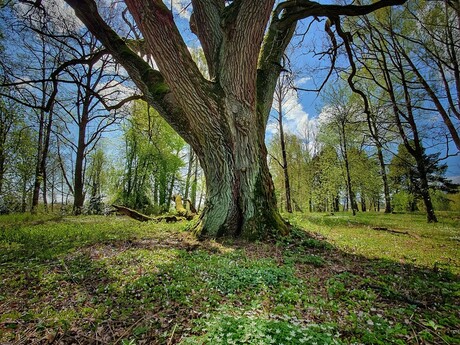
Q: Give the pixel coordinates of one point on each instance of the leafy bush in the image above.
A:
(402, 201)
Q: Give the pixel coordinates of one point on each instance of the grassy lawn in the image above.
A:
(334, 280)
(405, 238)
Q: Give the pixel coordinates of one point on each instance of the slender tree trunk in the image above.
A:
(189, 173)
(79, 197)
(170, 192)
(24, 195)
(44, 135)
(163, 191)
(383, 173)
(200, 200)
(363, 203)
(44, 192)
(156, 200)
(425, 190)
(38, 165)
(351, 194)
(287, 188)
(194, 185)
(53, 187)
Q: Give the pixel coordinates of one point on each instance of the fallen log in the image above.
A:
(392, 231)
(132, 213)
(143, 218)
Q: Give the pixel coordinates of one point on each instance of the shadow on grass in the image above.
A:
(164, 290)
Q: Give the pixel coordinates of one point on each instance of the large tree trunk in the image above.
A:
(240, 192)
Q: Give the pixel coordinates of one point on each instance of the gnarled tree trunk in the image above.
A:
(240, 192)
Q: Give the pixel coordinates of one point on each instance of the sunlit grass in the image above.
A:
(433, 245)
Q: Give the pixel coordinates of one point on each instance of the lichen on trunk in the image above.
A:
(240, 196)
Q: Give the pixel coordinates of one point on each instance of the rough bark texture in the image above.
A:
(223, 118)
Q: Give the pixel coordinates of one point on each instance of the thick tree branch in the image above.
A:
(245, 22)
(301, 9)
(206, 24)
(168, 49)
(148, 80)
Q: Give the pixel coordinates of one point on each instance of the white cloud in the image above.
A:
(296, 120)
(326, 115)
(302, 81)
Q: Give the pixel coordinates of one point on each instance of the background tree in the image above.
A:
(97, 180)
(406, 180)
(387, 55)
(152, 161)
(283, 92)
(94, 83)
(339, 125)
(8, 117)
(434, 57)
(328, 180)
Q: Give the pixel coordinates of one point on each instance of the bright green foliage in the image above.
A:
(365, 176)
(248, 330)
(327, 180)
(97, 180)
(299, 169)
(151, 163)
(17, 156)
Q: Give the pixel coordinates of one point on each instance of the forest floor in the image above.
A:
(337, 279)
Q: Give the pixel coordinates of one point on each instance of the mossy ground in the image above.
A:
(111, 280)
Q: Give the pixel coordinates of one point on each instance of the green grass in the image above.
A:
(434, 245)
(113, 280)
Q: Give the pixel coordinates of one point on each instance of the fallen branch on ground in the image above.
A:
(144, 218)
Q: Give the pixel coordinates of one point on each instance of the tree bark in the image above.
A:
(78, 189)
(287, 187)
(383, 173)
(241, 198)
